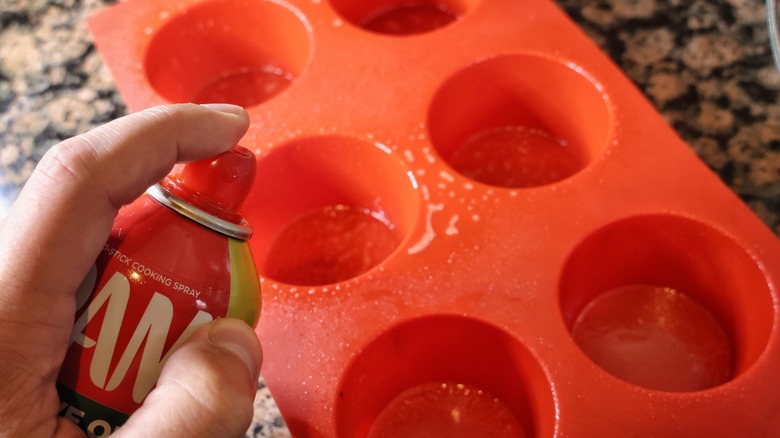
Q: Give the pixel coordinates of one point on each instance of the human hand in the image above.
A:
(49, 242)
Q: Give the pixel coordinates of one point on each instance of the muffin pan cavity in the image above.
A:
(447, 375)
(493, 123)
(320, 215)
(468, 222)
(667, 303)
(239, 52)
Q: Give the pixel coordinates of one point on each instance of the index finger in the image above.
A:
(127, 155)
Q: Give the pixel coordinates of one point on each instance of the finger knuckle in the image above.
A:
(70, 161)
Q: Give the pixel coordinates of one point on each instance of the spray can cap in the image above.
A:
(211, 191)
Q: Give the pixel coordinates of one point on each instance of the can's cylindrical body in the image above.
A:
(159, 277)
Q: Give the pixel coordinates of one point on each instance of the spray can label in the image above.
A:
(155, 282)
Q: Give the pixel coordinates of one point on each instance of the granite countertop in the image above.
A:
(704, 64)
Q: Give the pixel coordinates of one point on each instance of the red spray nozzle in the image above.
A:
(217, 185)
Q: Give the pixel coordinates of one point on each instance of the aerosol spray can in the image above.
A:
(177, 258)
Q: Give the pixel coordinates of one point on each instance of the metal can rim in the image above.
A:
(242, 231)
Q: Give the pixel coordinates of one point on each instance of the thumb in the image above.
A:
(207, 387)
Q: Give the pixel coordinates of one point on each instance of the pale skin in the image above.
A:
(50, 240)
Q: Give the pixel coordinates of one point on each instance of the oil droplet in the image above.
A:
(451, 228)
(426, 193)
(429, 155)
(429, 233)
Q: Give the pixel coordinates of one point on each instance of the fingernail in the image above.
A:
(237, 337)
(225, 108)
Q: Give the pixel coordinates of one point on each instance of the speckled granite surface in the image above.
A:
(705, 64)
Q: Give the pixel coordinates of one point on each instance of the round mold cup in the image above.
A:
(327, 209)
(519, 121)
(241, 52)
(401, 17)
(667, 303)
(444, 375)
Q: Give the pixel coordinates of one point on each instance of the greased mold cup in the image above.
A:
(445, 375)
(468, 221)
(493, 123)
(667, 303)
(322, 217)
(216, 51)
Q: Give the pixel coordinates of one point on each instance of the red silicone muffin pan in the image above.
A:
(468, 222)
